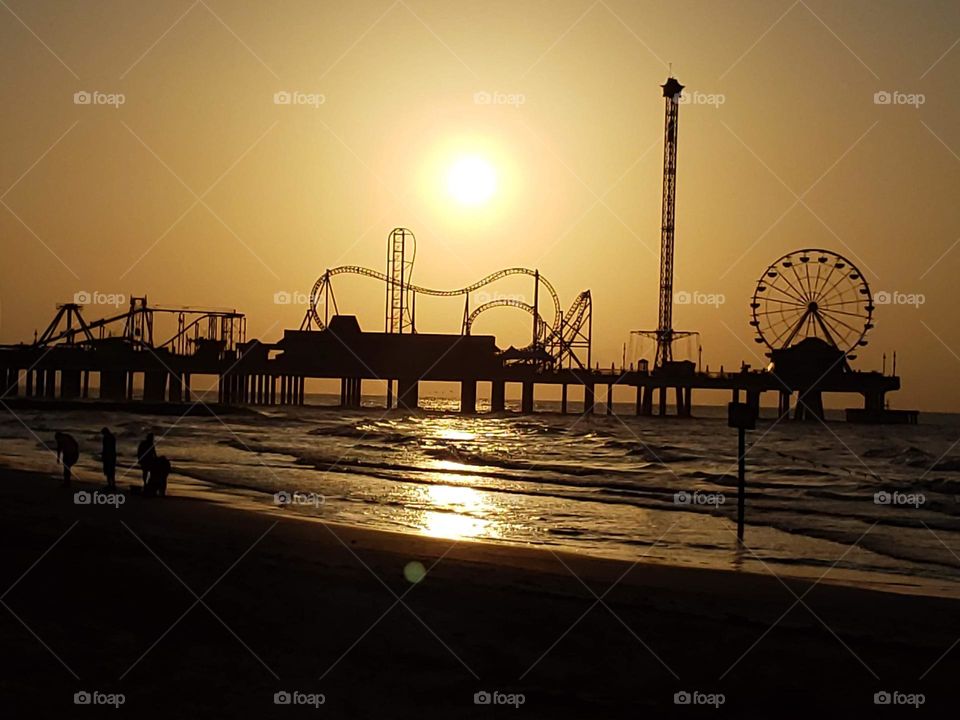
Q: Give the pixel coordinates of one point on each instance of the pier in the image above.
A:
(76, 365)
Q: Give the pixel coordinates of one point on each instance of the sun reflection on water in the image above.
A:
(447, 507)
(449, 433)
(456, 516)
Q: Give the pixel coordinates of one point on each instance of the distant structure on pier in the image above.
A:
(812, 308)
(665, 335)
(60, 361)
(400, 307)
(565, 341)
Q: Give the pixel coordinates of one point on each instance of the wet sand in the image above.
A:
(186, 605)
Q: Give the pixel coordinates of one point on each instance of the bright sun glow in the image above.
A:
(471, 180)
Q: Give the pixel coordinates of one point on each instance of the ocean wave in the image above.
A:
(941, 485)
(947, 464)
(371, 434)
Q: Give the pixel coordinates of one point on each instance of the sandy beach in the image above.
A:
(200, 603)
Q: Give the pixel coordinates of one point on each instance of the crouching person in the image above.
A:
(158, 472)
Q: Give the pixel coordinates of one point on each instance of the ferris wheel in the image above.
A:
(812, 293)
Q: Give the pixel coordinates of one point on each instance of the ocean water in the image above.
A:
(617, 486)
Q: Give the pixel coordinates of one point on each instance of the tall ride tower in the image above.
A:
(675, 374)
(671, 92)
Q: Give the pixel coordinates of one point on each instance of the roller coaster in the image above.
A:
(564, 342)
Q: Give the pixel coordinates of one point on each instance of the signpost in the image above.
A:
(742, 416)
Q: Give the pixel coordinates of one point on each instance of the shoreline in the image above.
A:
(249, 499)
(304, 597)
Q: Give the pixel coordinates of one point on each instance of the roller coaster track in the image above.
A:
(543, 330)
(580, 307)
(563, 345)
(560, 342)
(315, 292)
(571, 320)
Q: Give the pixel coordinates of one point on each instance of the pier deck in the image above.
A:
(257, 373)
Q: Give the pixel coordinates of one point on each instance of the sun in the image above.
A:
(471, 181)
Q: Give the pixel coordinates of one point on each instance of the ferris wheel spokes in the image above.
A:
(812, 294)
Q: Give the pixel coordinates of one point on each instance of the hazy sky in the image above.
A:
(200, 189)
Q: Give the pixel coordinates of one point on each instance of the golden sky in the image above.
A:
(183, 179)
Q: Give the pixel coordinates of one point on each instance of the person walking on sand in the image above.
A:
(69, 451)
(146, 456)
(108, 455)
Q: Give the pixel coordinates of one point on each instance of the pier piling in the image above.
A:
(589, 398)
(498, 395)
(408, 394)
(526, 397)
(468, 396)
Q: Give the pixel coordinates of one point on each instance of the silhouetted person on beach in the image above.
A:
(157, 483)
(108, 455)
(69, 451)
(146, 456)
